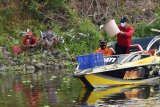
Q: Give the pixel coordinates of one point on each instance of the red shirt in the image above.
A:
(32, 40)
(126, 39)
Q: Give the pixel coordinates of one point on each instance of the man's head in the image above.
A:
(29, 34)
(103, 44)
(124, 21)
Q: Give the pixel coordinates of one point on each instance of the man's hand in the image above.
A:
(122, 33)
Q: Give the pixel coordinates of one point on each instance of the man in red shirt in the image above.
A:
(124, 38)
(29, 41)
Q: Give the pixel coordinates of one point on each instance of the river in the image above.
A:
(52, 89)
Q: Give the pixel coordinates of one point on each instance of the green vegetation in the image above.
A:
(81, 34)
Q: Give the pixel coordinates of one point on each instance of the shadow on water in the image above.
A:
(126, 95)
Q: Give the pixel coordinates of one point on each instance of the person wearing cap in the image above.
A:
(105, 49)
(124, 38)
(49, 39)
(29, 41)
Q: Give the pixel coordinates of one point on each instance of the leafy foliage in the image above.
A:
(54, 4)
(80, 33)
(143, 29)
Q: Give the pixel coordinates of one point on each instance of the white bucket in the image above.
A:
(111, 28)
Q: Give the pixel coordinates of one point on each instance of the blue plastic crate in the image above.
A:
(90, 60)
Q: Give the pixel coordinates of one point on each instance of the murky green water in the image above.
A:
(58, 89)
(41, 89)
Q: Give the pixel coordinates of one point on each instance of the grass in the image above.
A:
(86, 34)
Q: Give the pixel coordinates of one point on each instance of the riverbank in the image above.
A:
(32, 62)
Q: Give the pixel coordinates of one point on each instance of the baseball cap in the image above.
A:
(29, 33)
(124, 19)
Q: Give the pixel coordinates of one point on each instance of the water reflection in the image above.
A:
(126, 96)
(29, 90)
(48, 89)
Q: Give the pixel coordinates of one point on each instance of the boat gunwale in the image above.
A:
(91, 70)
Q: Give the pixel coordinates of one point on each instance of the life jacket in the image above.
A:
(106, 52)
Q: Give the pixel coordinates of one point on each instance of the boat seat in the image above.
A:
(152, 51)
(134, 48)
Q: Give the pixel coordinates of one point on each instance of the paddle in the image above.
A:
(155, 30)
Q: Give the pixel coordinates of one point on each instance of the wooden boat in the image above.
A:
(140, 65)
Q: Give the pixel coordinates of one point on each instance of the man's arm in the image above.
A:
(129, 33)
(24, 41)
(35, 41)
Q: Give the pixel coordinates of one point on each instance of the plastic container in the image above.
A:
(90, 60)
(111, 28)
(16, 50)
